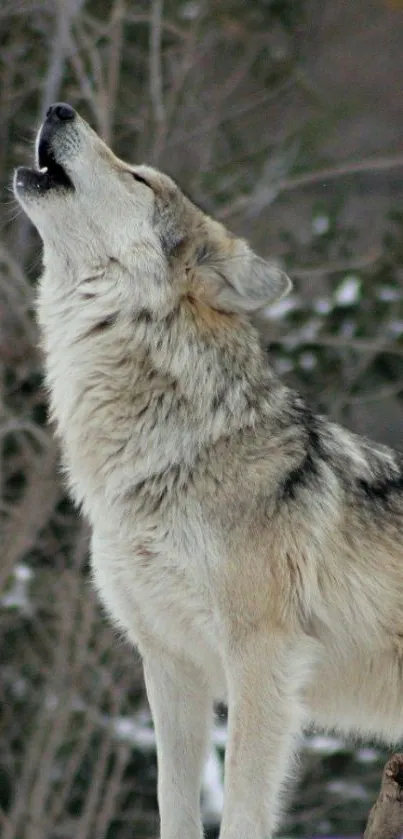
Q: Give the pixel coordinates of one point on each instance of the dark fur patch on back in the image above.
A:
(386, 485)
(308, 470)
(142, 316)
(170, 318)
(202, 254)
(102, 325)
(172, 247)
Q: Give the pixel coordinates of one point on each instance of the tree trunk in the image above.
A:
(386, 817)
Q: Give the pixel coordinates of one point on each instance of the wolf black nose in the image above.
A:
(60, 111)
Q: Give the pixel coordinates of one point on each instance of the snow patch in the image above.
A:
(324, 745)
(322, 306)
(17, 596)
(320, 224)
(212, 789)
(349, 291)
(307, 360)
(388, 294)
(282, 308)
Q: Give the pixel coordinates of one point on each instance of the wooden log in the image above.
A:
(386, 817)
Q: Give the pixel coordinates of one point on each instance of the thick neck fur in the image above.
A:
(136, 393)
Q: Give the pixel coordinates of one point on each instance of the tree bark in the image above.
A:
(386, 817)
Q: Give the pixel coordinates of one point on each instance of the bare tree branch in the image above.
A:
(114, 61)
(29, 517)
(359, 344)
(156, 84)
(371, 165)
(66, 11)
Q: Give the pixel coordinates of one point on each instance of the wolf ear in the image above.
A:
(240, 281)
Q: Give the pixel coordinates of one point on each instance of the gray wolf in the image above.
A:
(251, 550)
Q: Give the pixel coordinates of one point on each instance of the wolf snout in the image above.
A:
(51, 140)
(54, 145)
(60, 112)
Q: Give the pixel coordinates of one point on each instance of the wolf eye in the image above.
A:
(140, 179)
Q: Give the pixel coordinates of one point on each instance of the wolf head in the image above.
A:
(93, 210)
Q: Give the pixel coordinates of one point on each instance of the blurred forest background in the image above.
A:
(284, 118)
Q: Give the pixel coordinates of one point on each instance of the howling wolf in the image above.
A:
(251, 550)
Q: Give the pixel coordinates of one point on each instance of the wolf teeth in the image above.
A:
(43, 170)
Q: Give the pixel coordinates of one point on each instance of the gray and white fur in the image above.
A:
(251, 550)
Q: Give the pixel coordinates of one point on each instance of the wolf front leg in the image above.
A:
(181, 707)
(264, 676)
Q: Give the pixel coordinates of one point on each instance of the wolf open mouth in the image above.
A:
(47, 175)
(50, 172)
